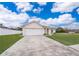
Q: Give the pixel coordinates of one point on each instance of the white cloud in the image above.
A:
(34, 18)
(37, 10)
(78, 10)
(12, 25)
(3, 9)
(12, 19)
(66, 19)
(24, 6)
(42, 3)
(2, 21)
(64, 6)
(62, 19)
(9, 18)
(40, 20)
(74, 25)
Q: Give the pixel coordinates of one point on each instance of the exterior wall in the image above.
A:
(23, 32)
(54, 31)
(50, 32)
(33, 28)
(36, 29)
(45, 31)
(33, 32)
(39, 32)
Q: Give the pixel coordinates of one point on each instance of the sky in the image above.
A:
(16, 14)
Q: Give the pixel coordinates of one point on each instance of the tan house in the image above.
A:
(34, 28)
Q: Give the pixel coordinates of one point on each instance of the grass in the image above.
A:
(65, 38)
(8, 40)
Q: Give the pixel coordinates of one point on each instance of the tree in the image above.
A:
(61, 30)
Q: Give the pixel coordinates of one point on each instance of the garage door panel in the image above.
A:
(34, 32)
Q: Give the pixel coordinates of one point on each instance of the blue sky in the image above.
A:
(54, 13)
(45, 14)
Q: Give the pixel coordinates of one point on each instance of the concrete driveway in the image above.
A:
(39, 46)
(76, 47)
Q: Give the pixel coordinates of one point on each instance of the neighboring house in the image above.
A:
(5, 31)
(73, 30)
(34, 28)
(0, 25)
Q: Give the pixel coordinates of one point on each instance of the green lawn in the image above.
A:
(8, 40)
(66, 39)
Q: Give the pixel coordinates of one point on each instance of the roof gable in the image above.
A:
(33, 25)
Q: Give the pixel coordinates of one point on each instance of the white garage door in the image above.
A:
(33, 31)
